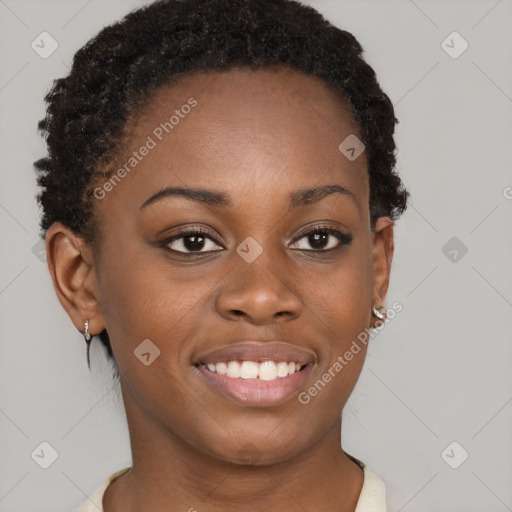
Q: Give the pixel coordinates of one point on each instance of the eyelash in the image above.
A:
(343, 238)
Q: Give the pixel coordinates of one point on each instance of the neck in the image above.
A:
(170, 475)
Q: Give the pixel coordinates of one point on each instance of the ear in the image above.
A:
(383, 247)
(71, 265)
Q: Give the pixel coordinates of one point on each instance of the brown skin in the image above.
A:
(256, 136)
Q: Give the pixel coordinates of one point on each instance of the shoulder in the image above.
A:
(95, 501)
(373, 493)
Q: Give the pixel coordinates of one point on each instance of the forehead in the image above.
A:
(245, 86)
(267, 130)
(242, 102)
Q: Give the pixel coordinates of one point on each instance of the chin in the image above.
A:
(263, 450)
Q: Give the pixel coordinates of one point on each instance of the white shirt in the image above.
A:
(371, 499)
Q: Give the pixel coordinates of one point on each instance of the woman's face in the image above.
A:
(255, 285)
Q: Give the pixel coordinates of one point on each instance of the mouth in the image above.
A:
(253, 370)
(257, 374)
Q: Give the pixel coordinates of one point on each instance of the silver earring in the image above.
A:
(87, 335)
(379, 312)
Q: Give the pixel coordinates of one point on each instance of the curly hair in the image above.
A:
(118, 70)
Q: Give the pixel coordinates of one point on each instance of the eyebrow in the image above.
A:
(297, 198)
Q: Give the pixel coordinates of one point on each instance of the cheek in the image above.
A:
(339, 306)
(339, 298)
(144, 298)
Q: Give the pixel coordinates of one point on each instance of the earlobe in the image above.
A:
(71, 267)
(383, 247)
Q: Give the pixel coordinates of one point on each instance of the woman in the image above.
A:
(218, 203)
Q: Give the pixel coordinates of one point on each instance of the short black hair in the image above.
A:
(115, 72)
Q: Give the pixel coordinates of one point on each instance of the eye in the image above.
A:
(324, 238)
(192, 240)
(199, 241)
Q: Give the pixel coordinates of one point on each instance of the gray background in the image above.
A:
(438, 373)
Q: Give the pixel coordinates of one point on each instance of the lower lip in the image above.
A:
(256, 392)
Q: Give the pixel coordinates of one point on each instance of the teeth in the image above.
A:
(266, 370)
(249, 370)
(221, 368)
(233, 369)
(282, 369)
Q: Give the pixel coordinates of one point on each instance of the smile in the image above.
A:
(266, 370)
(252, 373)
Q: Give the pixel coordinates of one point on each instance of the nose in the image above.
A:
(258, 292)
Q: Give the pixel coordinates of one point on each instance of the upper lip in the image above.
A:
(258, 351)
